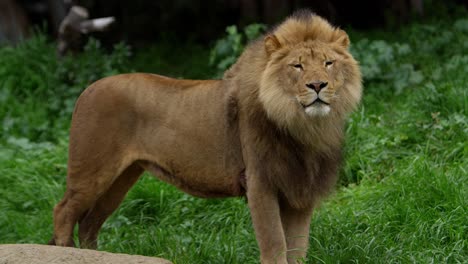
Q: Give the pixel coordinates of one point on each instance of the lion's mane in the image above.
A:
(280, 128)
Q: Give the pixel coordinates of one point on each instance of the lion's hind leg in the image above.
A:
(66, 214)
(85, 185)
(92, 221)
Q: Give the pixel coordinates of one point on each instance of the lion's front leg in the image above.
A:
(265, 212)
(296, 223)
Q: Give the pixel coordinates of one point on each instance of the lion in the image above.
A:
(270, 130)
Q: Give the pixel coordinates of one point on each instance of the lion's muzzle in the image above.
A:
(317, 85)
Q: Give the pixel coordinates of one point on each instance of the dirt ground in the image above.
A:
(42, 254)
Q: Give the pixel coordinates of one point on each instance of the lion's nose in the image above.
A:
(317, 86)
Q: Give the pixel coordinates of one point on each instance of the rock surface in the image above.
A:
(41, 254)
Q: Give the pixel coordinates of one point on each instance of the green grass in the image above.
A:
(403, 191)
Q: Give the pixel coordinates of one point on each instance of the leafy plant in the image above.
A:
(228, 49)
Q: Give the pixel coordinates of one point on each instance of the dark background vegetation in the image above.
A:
(146, 21)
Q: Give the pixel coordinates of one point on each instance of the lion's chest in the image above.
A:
(304, 178)
(305, 188)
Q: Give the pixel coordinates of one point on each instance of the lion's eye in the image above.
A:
(328, 63)
(297, 66)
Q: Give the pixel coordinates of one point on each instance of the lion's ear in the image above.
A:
(271, 44)
(341, 38)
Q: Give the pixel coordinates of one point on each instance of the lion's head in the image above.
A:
(310, 73)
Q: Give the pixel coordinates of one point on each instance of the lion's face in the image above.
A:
(311, 79)
(312, 73)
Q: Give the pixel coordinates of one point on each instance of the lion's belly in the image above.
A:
(211, 184)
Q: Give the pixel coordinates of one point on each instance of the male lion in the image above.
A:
(270, 130)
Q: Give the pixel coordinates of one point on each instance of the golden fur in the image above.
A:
(260, 132)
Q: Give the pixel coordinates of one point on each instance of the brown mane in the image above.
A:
(305, 25)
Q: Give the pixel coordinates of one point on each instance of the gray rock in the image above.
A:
(41, 254)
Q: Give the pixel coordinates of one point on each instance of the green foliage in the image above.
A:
(227, 49)
(382, 61)
(415, 99)
(38, 91)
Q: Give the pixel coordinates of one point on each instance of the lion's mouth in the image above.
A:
(317, 101)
